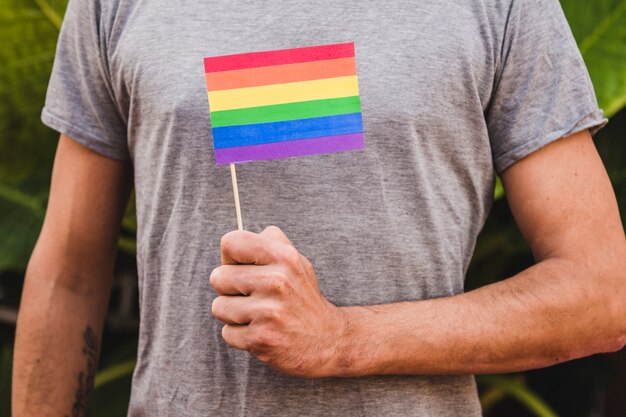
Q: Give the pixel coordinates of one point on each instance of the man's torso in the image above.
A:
(394, 222)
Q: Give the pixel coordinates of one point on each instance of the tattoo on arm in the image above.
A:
(86, 377)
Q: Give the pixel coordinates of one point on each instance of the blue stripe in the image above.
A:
(260, 133)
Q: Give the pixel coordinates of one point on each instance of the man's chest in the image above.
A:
(424, 72)
(412, 59)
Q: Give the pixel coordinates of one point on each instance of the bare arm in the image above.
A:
(570, 304)
(67, 285)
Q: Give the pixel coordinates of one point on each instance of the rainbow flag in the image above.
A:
(288, 102)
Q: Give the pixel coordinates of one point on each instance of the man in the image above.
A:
(376, 324)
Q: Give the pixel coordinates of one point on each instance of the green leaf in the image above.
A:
(516, 389)
(612, 148)
(29, 31)
(50, 13)
(26, 54)
(112, 388)
(498, 191)
(114, 372)
(28, 202)
(599, 27)
(21, 216)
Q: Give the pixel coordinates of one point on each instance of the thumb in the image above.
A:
(274, 233)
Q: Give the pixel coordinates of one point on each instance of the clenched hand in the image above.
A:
(272, 307)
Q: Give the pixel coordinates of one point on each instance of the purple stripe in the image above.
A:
(323, 144)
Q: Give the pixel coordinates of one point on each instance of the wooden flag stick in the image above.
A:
(233, 175)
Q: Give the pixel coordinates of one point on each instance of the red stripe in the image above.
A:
(278, 74)
(278, 57)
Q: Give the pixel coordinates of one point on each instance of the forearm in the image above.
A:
(57, 341)
(547, 314)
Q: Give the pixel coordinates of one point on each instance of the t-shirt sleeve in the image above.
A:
(80, 101)
(542, 89)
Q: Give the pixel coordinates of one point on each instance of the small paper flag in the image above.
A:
(283, 103)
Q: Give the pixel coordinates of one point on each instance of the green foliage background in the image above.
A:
(28, 32)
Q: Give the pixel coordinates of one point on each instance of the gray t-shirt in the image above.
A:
(451, 92)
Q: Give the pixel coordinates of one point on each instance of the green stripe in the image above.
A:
(288, 111)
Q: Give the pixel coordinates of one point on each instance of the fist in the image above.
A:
(271, 305)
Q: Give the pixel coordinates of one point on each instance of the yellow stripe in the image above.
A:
(265, 95)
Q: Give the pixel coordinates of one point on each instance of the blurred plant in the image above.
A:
(600, 30)
(111, 387)
(29, 29)
(27, 147)
(5, 381)
(599, 27)
(498, 387)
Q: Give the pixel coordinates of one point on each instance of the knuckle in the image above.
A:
(262, 339)
(273, 313)
(307, 264)
(271, 229)
(278, 284)
(288, 254)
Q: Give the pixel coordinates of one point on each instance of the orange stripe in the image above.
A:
(279, 74)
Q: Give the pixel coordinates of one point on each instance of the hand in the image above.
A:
(272, 307)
